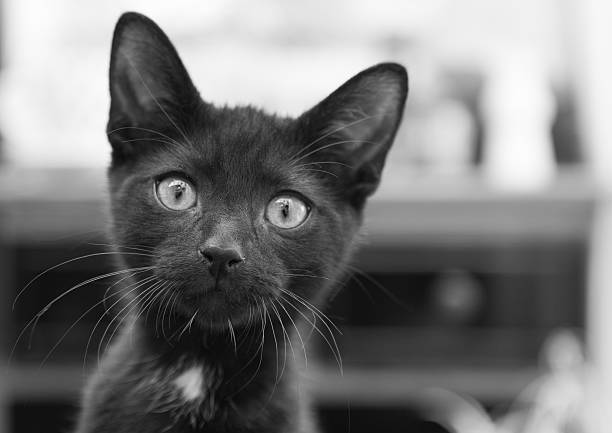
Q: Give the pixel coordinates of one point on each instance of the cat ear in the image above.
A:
(149, 86)
(356, 125)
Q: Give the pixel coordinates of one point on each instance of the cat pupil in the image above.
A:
(178, 190)
(285, 209)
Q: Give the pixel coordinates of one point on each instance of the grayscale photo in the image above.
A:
(305, 217)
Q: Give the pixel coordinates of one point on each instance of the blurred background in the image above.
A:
(481, 300)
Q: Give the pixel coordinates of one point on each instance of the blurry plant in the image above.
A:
(567, 398)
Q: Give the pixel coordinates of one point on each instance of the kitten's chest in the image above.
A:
(184, 390)
(187, 392)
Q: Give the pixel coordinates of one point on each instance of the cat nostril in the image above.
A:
(234, 262)
(206, 256)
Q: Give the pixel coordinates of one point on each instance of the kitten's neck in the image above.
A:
(237, 377)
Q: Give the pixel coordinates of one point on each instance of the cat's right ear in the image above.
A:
(355, 126)
(149, 85)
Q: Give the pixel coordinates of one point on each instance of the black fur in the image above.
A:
(238, 159)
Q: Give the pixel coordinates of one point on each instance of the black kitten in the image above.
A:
(235, 226)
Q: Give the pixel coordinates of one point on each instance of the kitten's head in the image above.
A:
(239, 208)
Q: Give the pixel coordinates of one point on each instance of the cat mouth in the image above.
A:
(209, 293)
(213, 307)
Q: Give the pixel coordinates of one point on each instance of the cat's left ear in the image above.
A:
(357, 123)
(149, 86)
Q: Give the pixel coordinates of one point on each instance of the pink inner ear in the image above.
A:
(136, 89)
(359, 121)
(367, 122)
(147, 75)
(368, 110)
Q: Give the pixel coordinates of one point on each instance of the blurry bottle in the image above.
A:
(518, 108)
(450, 138)
(407, 155)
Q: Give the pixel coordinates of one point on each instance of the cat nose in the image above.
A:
(220, 259)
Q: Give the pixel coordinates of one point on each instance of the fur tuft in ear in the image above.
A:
(357, 123)
(149, 86)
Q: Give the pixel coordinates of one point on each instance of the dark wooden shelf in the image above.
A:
(407, 385)
(52, 381)
(417, 346)
(40, 207)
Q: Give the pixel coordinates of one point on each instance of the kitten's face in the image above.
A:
(239, 208)
(235, 188)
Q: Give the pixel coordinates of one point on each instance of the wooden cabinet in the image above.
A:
(461, 284)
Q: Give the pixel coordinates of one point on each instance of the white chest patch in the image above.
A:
(189, 383)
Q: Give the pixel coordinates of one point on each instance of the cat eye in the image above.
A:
(175, 193)
(287, 211)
